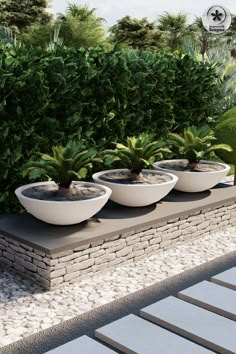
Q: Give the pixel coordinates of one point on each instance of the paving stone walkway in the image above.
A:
(25, 309)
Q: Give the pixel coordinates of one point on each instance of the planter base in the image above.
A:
(54, 256)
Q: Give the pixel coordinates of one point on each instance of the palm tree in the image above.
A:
(174, 27)
(81, 27)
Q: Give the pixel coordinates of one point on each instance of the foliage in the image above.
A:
(136, 33)
(226, 133)
(80, 27)
(65, 164)
(138, 153)
(48, 97)
(174, 28)
(195, 144)
(20, 15)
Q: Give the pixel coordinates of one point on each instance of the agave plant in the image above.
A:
(195, 144)
(64, 165)
(138, 153)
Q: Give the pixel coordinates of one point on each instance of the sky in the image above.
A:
(112, 10)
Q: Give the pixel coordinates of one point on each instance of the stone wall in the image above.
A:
(52, 271)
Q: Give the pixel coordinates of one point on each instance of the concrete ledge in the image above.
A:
(53, 256)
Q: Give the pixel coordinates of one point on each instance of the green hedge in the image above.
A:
(49, 97)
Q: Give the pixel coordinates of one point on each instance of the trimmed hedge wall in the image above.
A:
(48, 97)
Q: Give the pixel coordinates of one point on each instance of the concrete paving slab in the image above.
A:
(212, 297)
(204, 327)
(227, 278)
(82, 345)
(134, 335)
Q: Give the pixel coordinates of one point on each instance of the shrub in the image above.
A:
(48, 97)
(226, 133)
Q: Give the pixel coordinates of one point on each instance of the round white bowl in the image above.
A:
(137, 195)
(62, 212)
(195, 181)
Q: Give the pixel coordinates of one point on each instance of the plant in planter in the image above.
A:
(132, 184)
(194, 174)
(63, 201)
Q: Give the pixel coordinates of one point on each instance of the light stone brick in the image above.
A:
(104, 259)
(155, 240)
(149, 232)
(43, 281)
(185, 225)
(61, 254)
(55, 282)
(58, 273)
(233, 214)
(224, 223)
(173, 220)
(147, 237)
(219, 214)
(232, 207)
(99, 267)
(124, 251)
(225, 217)
(140, 246)
(91, 250)
(171, 229)
(113, 243)
(70, 276)
(62, 265)
(165, 243)
(81, 258)
(82, 248)
(196, 218)
(233, 221)
(171, 236)
(138, 253)
(134, 241)
(114, 249)
(99, 253)
(215, 221)
(203, 225)
(86, 271)
(69, 258)
(81, 265)
(189, 230)
(117, 261)
(49, 261)
(152, 249)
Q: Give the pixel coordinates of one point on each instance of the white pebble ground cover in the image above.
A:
(25, 309)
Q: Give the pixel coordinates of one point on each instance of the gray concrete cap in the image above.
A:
(212, 297)
(227, 278)
(215, 332)
(133, 335)
(82, 345)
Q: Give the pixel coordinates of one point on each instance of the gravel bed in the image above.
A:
(25, 309)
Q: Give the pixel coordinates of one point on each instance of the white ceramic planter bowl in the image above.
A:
(62, 212)
(195, 181)
(137, 195)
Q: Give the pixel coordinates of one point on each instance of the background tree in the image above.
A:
(136, 33)
(21, 14)
(174, 29)
(80, 27)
